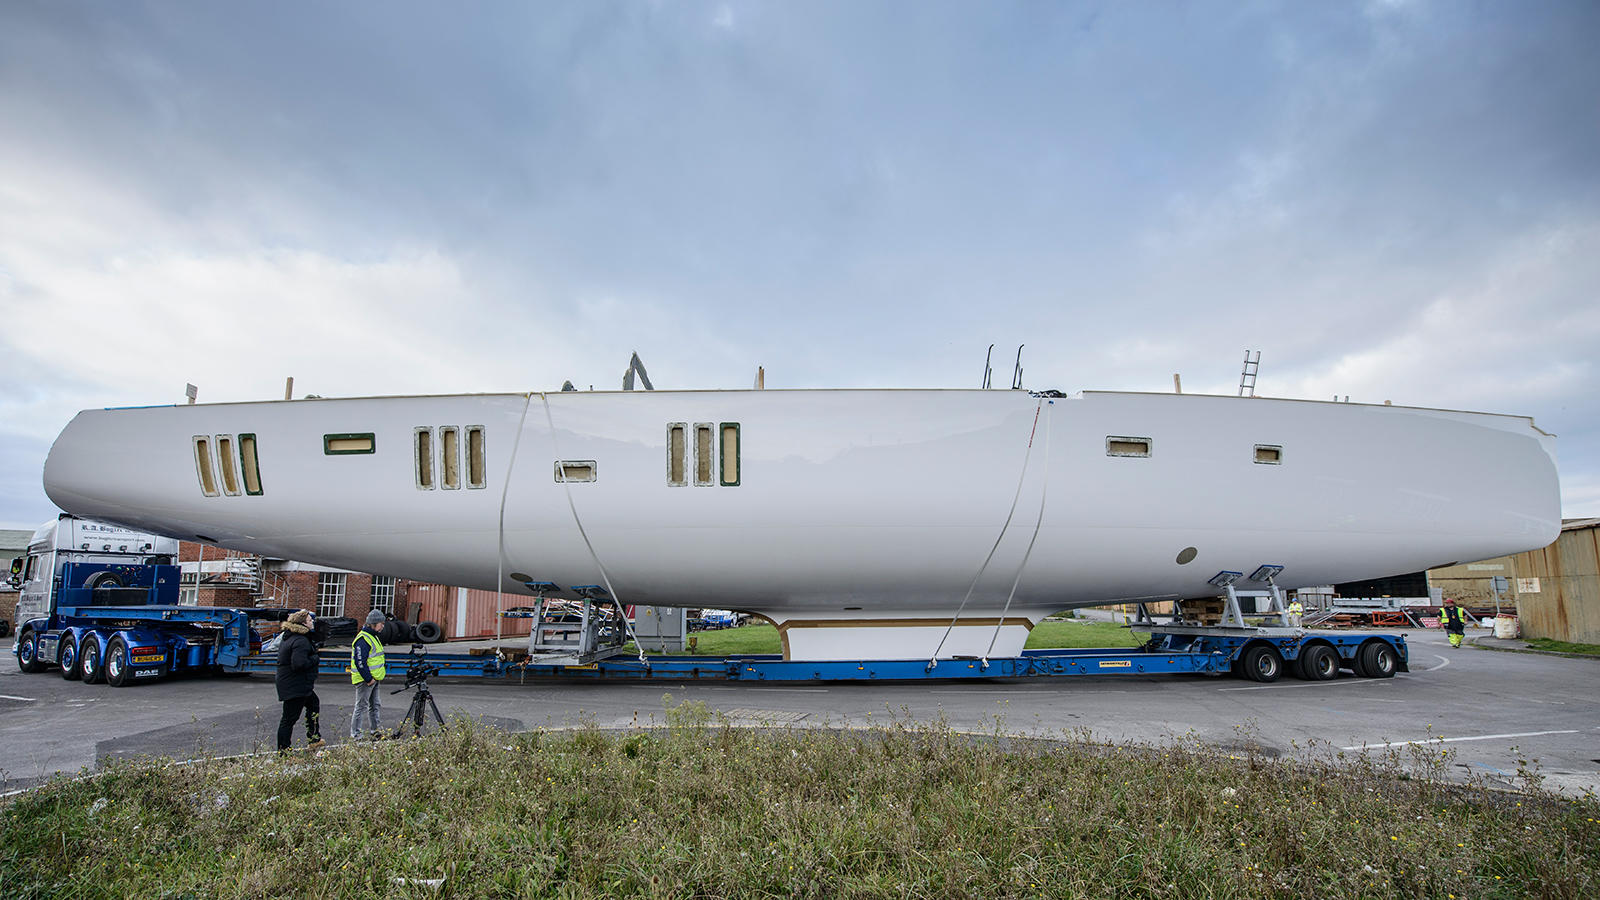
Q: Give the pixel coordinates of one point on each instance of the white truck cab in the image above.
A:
(69, 539)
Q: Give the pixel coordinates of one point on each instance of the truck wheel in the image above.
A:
(429, 632)
(91, 660)
(1262, 663)
(1319, 662)
(118, 673)
(69, 658)
(28, 652)
(1379, 660)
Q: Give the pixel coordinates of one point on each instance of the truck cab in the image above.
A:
(108, 561)
(74, 567)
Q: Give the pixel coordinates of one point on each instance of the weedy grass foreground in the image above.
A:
(703, 809)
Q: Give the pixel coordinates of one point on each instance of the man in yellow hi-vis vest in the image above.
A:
(366, 673)
(1295, 609)
(1451, 619)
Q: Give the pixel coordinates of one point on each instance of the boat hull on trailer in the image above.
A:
(883, 524)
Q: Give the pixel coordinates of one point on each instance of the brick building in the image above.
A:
(216, 577)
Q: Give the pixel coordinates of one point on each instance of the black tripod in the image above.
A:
(422, 701)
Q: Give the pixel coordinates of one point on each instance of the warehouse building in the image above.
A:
(1555, 590)
(1558, 588)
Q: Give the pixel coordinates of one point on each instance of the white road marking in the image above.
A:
(1481, 737)
(1314, 684)
(23, 699)
(1443, 661)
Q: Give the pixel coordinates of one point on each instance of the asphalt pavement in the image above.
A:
(1491, 709)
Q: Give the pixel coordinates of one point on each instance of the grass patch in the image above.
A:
(700, 809)
(1077, 634)
(763, 638)
(1564, 646)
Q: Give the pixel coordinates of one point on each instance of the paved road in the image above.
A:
(1490, 708)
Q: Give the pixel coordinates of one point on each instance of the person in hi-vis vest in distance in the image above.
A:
(1453, 620)
(366, 673)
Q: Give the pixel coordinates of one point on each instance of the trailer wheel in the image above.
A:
(28, 652)
(429, 632)
(118, 673)
(1262, 663)
(68, 655)
(91, 660)
(1378, 660)
(1319, 662)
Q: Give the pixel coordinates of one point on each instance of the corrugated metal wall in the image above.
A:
(441, 604)
(1567, 605)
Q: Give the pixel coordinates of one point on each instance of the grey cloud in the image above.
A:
(863, 194)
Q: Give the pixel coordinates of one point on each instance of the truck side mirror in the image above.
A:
(16, 571)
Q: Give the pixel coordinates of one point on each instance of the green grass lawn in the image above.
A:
(763, 638)
(702, 809)
(1564, 646)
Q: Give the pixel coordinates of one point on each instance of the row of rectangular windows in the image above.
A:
(1122, 445)
(438, 457)
(708, 439)
(220, 460)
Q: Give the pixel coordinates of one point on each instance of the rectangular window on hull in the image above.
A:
(347, 444)
(676, 446)
(1117, 445)
(476, 460)
(704, 464)
(202, 464)
(1269, 454)
(230, 478)
(424, 459)
(330, 594)
(730, 454)
(575, 470)
(450, 478)
(250, 464)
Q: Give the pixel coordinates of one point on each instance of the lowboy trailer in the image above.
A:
(1259, 654)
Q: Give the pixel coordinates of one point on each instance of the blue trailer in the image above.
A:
(1258, 654)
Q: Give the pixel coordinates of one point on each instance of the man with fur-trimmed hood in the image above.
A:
(297, 680)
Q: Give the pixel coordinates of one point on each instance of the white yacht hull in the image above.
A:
(860, 521)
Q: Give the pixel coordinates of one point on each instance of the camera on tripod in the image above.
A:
(418, 670)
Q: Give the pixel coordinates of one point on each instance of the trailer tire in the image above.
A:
(1319, 662)
(1378, 660)
(91, 660)
(5, 628)
(1262, 663)
(118, 672)
(28, 652)
(429, 632)
(67, 658)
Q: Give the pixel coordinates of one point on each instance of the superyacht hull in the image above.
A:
(859, 521)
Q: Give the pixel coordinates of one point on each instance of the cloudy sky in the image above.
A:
(1391, 200)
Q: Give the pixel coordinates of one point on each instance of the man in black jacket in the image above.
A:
(297, 680)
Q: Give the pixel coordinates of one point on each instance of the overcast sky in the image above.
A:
(1391, 200)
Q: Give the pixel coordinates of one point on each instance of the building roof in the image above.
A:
(14, 540)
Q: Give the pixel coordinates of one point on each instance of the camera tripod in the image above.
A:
(421, 702)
